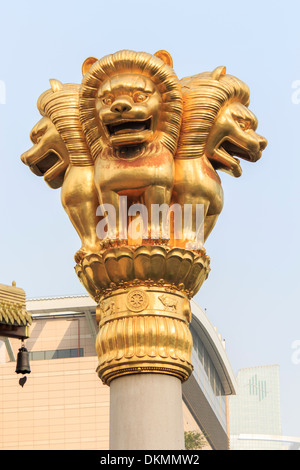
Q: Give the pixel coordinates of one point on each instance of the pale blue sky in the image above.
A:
(252, 293)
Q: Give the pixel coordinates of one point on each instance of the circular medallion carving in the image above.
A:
(137, 300)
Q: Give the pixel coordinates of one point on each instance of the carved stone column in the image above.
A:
(143, 315)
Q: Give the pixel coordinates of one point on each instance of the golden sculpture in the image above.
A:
(133, 133)
(217, 127)
(60, 154)
(130, 109)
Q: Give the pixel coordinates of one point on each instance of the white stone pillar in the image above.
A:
(146, 413)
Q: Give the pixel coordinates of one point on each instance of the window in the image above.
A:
(55, 354)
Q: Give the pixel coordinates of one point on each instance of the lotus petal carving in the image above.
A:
(115, 268)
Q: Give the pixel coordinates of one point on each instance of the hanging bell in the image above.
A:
(23, 366)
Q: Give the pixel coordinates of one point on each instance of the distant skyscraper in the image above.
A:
(254, 412)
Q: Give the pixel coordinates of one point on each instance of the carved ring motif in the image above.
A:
(137, 300)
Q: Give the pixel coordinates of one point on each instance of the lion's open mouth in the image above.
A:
(128, 127)
(234, 150)
(47, 162)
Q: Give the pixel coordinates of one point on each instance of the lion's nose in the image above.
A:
(121, 106)
(263, 143)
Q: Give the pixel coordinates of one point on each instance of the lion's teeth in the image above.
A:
(129, 130)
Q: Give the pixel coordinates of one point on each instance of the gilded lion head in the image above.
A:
(128, 99)
(217, 122)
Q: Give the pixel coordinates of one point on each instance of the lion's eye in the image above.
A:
(108, 100)
(243, 124)
(140, 97)
(37, 137)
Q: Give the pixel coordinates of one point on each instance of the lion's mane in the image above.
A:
(60, 105)
(203, 97)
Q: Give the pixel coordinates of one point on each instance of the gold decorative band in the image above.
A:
(144, 330)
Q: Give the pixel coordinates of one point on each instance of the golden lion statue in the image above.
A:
(130, 109)
(133, 129)
(217, 127)
(60, 154)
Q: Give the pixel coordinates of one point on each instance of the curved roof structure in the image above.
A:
(215, 347)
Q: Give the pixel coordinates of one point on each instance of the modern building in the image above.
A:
(206, 391)
(62, 404)
(254, 412)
